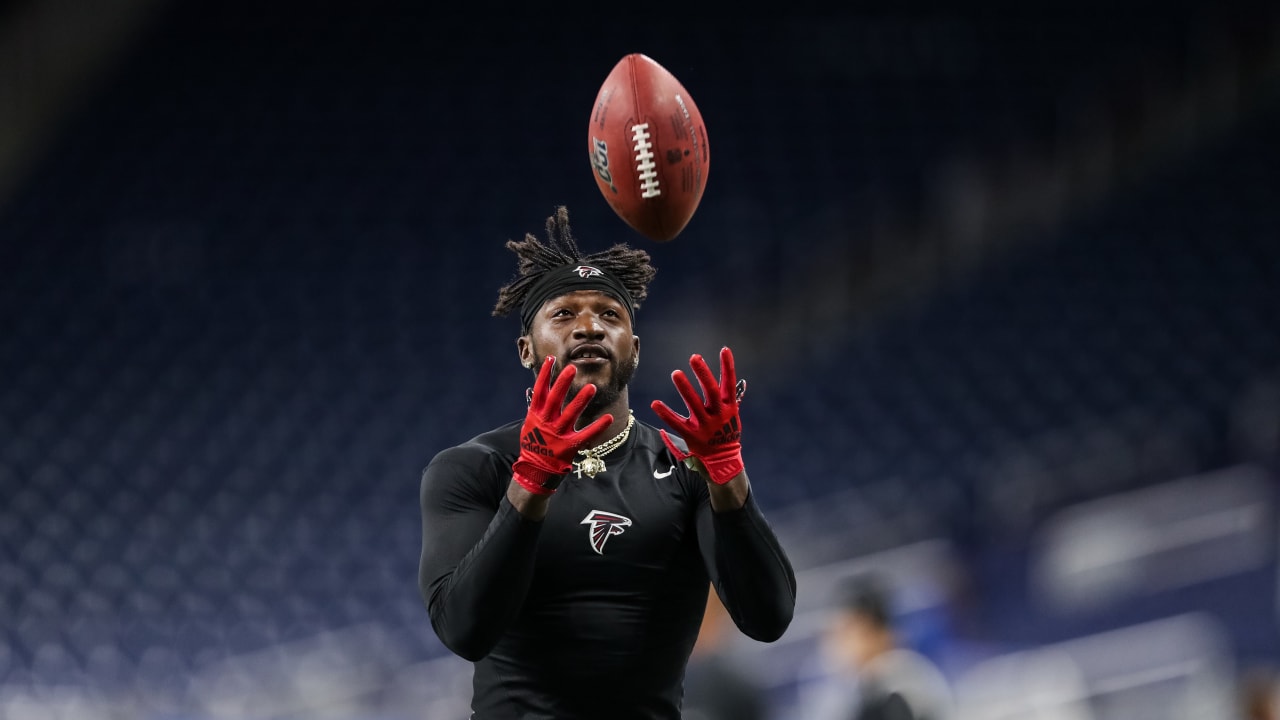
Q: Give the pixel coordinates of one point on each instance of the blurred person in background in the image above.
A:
(716, 687)
(1259, 694)
(568, 554)
(869, 673)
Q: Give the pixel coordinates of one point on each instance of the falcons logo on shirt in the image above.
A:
(601, 525)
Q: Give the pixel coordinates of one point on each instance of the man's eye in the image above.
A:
(560, 313)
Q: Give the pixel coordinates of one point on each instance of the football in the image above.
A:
(648, 148)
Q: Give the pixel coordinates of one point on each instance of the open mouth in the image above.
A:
(589, 355)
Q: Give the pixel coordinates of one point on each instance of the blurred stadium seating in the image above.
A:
(246, 293)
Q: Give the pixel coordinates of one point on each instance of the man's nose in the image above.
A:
(588, 327)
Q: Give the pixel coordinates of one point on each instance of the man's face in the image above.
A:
(590, 330)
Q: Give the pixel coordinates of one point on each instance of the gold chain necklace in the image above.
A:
(591, 462)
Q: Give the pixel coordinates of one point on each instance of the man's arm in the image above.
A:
(478, 551)
(477, 561)
(748, 567)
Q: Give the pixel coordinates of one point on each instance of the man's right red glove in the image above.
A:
(548, 441)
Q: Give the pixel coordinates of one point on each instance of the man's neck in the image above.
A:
(620, 411)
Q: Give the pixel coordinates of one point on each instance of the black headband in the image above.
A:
(567, 279)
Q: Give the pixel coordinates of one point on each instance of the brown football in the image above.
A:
(648, 148)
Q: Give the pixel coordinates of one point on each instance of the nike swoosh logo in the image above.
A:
(664, 474)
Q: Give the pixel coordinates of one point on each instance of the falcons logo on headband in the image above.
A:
(602, 525)
(587, 271)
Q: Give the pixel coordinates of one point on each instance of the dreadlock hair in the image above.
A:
(627, 264)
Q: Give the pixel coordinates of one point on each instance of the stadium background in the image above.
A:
(1003, 279)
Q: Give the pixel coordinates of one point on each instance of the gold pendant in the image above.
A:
(592, 466)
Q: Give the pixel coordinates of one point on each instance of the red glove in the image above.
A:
(547, 439)
(712, 430)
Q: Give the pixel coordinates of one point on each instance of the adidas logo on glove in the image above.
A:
(727, 434)
(535, 443)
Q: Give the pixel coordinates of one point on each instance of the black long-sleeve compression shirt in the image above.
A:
(599, 602)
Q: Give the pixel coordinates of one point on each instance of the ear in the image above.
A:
(635, 347)
(524, 348)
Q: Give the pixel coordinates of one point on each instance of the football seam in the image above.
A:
(649, 185)
(646, 168)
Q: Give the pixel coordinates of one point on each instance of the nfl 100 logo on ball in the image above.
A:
(648, 148)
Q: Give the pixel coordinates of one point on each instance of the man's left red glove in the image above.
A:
(712, 431)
